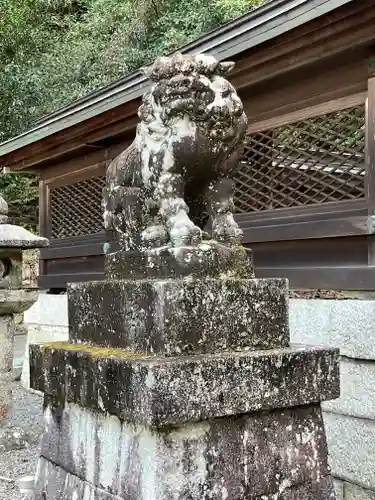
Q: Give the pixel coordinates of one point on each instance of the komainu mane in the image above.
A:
(177, 172)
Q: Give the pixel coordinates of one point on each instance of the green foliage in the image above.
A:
(55, 51)
(21, 193)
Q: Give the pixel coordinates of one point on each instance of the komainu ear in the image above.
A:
(225, 67)
(147, 71)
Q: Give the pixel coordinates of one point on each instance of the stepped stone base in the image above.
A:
(163, 393)
(218, 427)
(169, 391)
(266, 455)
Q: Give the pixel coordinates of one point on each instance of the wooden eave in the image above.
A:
(279, 40)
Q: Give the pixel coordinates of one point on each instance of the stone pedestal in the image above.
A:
(183, 389)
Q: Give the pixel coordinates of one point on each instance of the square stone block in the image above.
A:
(265, 455)
(184, 316)
(357, 398)
(209, 258)
(170, 391)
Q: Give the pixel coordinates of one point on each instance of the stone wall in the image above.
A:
(46, 321)
(350, 420)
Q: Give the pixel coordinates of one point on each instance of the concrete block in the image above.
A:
(48, 310)
(353, 492)
(345, 324)
(46, 321)
(351, 445)
(18, 354)
(40, 334)
(357, 382)
(339, 489)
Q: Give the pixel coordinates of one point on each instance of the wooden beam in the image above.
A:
(310, 36)
(75, 246)
(331, 228)
(342, 29)
(305, 213)
(309, 112)
(324, 278)
(370, 158)
(43, 217)
(120, 120)
(60, 281)
(300, 278)
(332, 80)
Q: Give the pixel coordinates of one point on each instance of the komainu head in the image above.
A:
(192, 100)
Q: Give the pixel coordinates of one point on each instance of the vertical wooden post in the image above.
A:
(43, 214)
(370, 161)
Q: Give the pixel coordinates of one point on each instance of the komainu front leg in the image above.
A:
(220, 206)
(174, 211)
(155, 236)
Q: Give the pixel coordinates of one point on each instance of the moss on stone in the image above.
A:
(241, 264)
(94, 351)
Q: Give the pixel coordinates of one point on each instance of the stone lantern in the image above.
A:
(14, 299)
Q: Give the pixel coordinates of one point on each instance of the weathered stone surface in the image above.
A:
(354, 492)
(351, 444)
(7, 328)
(161, 189)
(357, 397)
(16, 301)
(173, 317)
(6, 402)
(207, 259)
(13, 438)
(262, 455)
(54, 483)
(163, 391)
(12, 236)
(345, 324)
(38, 334)
(339, 489)
(13, 300)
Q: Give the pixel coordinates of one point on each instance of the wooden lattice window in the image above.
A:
(317, 160)
(75, 209)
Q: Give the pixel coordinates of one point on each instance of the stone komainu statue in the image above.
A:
(177, 172)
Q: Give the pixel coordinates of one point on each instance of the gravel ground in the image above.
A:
(13, 464)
